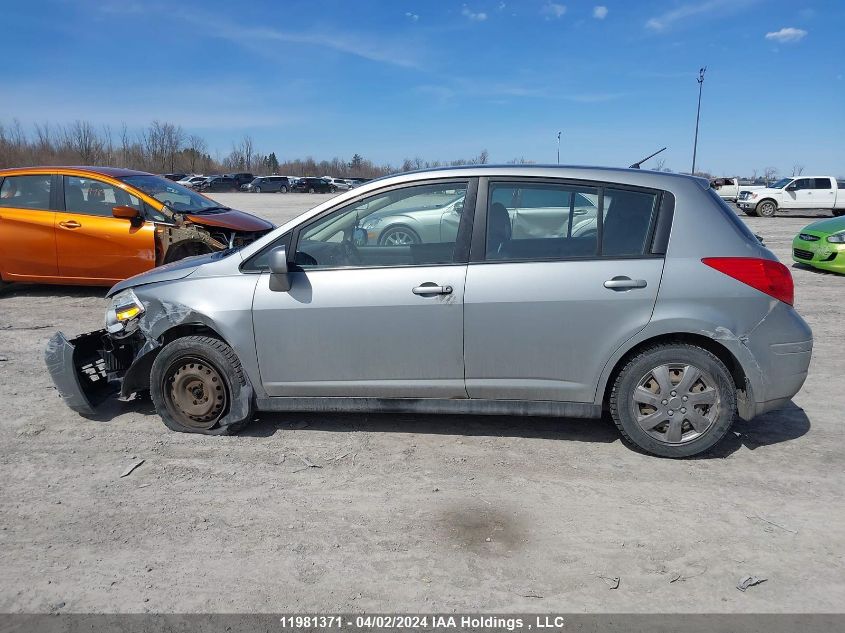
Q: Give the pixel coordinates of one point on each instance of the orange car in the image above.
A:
(98, 225)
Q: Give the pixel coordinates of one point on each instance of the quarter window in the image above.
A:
(95, 197)
(402, 227)
(627, 217)
(26, 192)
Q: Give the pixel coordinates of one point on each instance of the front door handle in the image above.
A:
(430, 288)
(70, 224)
(624, 283)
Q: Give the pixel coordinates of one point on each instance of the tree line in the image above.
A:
(164, 147)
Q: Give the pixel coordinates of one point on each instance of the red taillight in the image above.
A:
(764, 275)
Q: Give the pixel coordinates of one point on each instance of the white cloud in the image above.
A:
(787, 34)
(552, 9)
(600, 12)
(412, 16)
(474, 17)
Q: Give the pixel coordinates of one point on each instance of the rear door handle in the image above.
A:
(624, 283)
(70, 224)
(430, 288)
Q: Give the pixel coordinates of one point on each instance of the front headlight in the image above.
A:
(837, 238)
(123, 313)
(371, 223)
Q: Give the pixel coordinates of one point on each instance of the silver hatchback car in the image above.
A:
(554, 291)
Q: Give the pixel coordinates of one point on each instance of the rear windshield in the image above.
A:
(731, 215)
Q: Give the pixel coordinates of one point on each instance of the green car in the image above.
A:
(822, 245)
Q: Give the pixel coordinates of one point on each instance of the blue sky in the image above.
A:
(445, 79)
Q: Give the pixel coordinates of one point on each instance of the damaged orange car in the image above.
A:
(96, 226)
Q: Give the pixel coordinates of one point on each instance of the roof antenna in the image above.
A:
(640, 162)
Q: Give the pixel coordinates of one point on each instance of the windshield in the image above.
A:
(780, 184)
(178, 198)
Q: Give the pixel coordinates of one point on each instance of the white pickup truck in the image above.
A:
(730, 188)
(794, 194)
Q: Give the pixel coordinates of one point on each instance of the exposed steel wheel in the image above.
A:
(767, 209)
(195, 392)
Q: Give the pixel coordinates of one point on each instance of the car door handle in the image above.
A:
(70, 224)
(430, 288)
(624, 283)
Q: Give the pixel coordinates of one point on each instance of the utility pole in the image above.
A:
(700, 81)
(558, 148)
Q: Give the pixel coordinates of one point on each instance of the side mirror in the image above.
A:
(278, 265)
(459, 208)
(792, 187)
(125, 213)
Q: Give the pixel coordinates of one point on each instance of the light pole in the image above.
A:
(558, 148)
(700, 81)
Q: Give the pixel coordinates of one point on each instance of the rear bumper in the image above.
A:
(79, 371)
(781, 347)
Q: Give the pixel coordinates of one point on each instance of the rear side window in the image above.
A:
(823, 183)
(541, 221)
(26, 192)
(562, 221)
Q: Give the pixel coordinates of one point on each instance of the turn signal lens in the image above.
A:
(124, 314)
(765, 275)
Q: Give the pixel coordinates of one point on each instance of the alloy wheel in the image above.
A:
(399, 237)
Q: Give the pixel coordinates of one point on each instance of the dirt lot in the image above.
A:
(411, 512)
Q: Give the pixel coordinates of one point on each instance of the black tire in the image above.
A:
(412, 236)
(838, 212)
(256, 189)
(283, 189)
(310, 189)
(332, 189)
(202, 358)
(714, 419)
(767, 208)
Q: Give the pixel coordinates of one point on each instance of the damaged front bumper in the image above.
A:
(89, 369)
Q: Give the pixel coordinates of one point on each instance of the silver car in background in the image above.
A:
(554, 291)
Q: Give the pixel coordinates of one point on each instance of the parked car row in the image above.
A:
(514, 290)
(265, 184)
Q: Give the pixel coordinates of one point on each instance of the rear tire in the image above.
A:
(194, 383)
(838, 212)
(650, 400)
(767, 208)
(283, 189)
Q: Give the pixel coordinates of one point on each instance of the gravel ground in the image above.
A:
(415, 513)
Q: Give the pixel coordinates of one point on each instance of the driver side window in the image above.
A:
(409, 226)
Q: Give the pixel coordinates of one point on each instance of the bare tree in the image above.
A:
(770, 174)
(797, 169)
(195, 148)
(83, 139)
